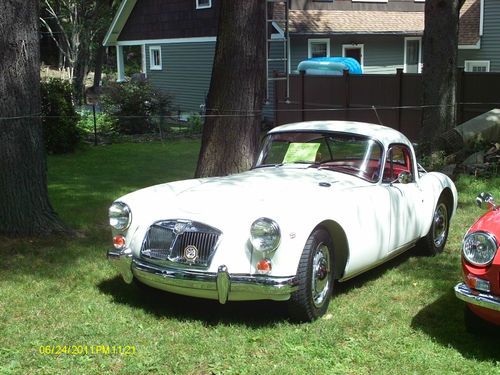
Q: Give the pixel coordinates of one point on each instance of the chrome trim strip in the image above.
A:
(122, 260)
(474, 297)
(221, 282)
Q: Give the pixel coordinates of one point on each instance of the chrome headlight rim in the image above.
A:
(488, 238)
(271, 229)
(121, 213)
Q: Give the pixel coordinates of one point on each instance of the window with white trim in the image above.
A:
(318, 48)
(203, 4)
(155, 58)
(477, 66)
(413, 55)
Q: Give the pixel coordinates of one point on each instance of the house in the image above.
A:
(178, 38)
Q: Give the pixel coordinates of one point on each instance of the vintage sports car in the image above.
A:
(481, 266)
(325, 201)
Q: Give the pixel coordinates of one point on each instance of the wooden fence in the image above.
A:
(392, 100)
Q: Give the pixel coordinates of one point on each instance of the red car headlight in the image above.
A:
(479, 248)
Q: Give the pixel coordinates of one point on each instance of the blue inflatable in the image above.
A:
(330, 66)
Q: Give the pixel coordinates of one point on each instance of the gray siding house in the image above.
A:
(178, 37)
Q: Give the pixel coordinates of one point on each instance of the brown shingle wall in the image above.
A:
(160, 19)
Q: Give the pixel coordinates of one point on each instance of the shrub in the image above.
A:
(134, 105)
(195, 123)
(105, 124)
(59, 117)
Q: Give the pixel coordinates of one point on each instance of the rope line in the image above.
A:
(242, 114)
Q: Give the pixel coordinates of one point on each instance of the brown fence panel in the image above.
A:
(410, 102)
(480, 93)
(324, 99)
(392, 100)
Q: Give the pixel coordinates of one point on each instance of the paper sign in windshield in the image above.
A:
(301, 152)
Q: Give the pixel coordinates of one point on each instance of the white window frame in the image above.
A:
(469, 65)
(419, 52)
(355, 46)
(203, 6)
(310, 42)
(369, 1)
(152, 65)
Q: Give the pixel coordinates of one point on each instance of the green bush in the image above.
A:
(195, 123)
(105, 124)
(134, 105)
(59, 117)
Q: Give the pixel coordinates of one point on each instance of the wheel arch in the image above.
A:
(340, 246)
(449, 200)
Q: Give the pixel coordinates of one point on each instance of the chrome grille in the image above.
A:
(181, 241)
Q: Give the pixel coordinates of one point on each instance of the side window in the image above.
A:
(318, 48)
(203, 4)
(155, 58)
(398, 160)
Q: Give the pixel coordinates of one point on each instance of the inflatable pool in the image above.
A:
(330, 66)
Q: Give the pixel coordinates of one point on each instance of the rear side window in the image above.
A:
(398, 160)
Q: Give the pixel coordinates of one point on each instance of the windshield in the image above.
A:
(346, 153)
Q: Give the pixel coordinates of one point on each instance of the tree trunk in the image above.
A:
(81, 69)
(24, 208)
(439, 76)
(237, 89)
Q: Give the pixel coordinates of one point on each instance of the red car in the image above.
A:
(481, 266)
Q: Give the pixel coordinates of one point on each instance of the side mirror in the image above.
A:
(404, 178)
(486, 198)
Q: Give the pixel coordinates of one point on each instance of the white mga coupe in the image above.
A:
(325, 201)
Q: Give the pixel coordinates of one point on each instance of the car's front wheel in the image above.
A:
(315, 278)
(433, 243)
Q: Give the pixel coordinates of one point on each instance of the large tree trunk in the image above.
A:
(81, 70)
(231, 131)
(24, 206)
(440, 46)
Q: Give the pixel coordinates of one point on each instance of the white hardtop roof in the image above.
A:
(378, 132)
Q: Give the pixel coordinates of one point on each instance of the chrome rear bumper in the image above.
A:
(220, 285)
(477, 298)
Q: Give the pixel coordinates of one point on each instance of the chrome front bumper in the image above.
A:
(221, 285)
(477, 298)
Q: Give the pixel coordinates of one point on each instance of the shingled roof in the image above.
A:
(341, 22)
(355, 22)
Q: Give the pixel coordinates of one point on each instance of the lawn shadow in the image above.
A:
(250, 313)
(443, 321)
(374, 273)
(253, 314)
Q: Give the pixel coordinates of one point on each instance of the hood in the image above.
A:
(258, 192)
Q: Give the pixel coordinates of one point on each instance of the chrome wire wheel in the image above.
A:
(440, 225)
(434, 241)
(314, 278)
(320, 276)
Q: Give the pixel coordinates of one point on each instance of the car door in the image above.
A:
(405, 197)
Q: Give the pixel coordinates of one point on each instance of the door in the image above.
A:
(354, 51)
(405, 196)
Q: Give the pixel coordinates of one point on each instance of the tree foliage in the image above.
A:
(78, 28)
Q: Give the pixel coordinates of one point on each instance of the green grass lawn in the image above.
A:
(401, 318)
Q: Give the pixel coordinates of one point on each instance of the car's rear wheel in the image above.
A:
(315, 278)
(433, 243)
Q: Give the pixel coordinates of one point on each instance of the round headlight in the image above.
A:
(119, 216)
(479, 248)
(265, 234)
